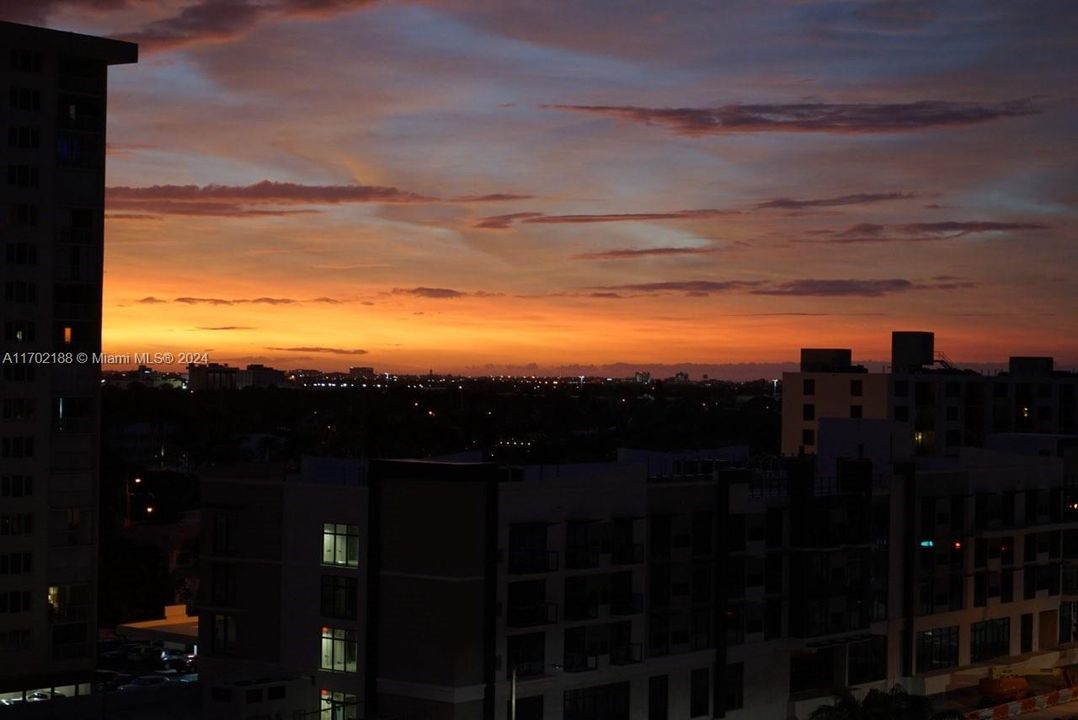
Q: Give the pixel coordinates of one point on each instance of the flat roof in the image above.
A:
(111, 52)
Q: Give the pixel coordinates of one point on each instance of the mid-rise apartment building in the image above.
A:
(945, 407)
(51, 228)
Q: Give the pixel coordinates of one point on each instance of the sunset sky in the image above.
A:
(457, 184)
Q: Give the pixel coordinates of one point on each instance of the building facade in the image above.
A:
(52, 190)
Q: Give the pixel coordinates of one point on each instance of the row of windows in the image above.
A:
(20, 291)
(808, 412)
(22, 215)
(20, 98)
(17, 447)
(16, 524)
(26, 176)
(16, 563)
(26, 60)
(15, 601)
(16, 486)
(20, 254)
(25, 138)
(14, 640)
(808, 387)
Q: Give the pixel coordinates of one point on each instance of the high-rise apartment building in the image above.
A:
(51, 228)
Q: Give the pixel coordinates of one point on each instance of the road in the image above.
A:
(1059, 712)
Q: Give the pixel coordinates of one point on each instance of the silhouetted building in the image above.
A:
(945, 407)
(52, 190)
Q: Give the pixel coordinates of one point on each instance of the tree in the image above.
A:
(879, 705)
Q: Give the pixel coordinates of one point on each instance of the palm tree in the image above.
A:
(878, 705)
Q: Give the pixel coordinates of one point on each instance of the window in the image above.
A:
(856, 411)
(734, 686)
(604, 702)
(25, 176)
(12, 641)
(528, 708)
(339, 706)
(26, 60)
(19, 331)
(902, 413)
(808, 411)
(15, 524)
(253, 695)
(20, 292)
(857, 388)
(658, 697)
(224, 634)
(698, 693)
(1068, 622)
(937, 649)
(24, 99)
(808, 437)
(20, 254)
(15, 563)
(340, 544)
(25, 138)
(990, 639)
(16, 486)
(22, 215)
(340, 649)
(340, 597)
(808, 387)
(868, 660)
(15, 601)
(276, 692)
(221, 694)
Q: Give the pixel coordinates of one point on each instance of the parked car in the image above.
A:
(41, 695)
(110, 679)
(145, 681)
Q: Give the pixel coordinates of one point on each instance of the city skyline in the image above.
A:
(451, 185)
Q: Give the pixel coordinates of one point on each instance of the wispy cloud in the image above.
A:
(919, 232)
(323, 350)
(501, 222)
(805, 287)
(631, 253)
(251, 200)
(222, 20)
(813, 117)
(190, 300)
(226, 327)
(855, 199)
(437, 293)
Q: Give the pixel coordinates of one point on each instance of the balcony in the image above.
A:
(526, 562)
(576, 662)
(581, 558)
(543, 613)
(627, 654)
(526, 669)
(628, 554)
(581, 610)
(629, 605)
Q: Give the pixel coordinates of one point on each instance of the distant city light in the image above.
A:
(927, 543)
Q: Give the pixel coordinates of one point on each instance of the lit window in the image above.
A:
(340, 544)
(67, 336)
(340, 649)
(339, 706)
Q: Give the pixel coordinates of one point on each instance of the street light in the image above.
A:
(513, 686)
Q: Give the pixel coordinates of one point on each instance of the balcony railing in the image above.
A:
(526, 668)
(581, 610)
(580, 558)
(542, 613)
(523, 562)
(627, 654)
(628, 554)
(629, 605)
(580, 662)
